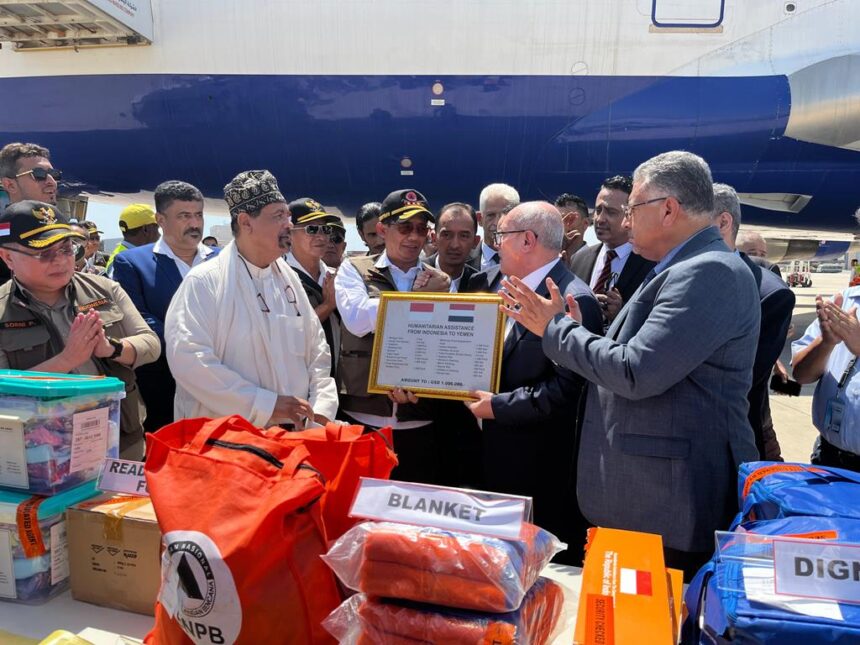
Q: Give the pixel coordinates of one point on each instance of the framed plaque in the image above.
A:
(437, 345)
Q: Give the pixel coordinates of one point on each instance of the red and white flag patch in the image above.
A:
(5, 229)
(635, 582)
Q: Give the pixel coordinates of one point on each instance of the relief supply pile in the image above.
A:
(55, 432)
(788, 571)
(443, 584)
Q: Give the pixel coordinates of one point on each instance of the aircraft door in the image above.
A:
(688, 13)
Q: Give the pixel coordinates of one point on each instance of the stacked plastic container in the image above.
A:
(734, 598)
(55, 432)
(423, 584)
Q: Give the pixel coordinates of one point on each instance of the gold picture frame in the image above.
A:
(438, 388)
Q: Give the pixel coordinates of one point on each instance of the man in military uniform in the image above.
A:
(53, 319)
(404, 224)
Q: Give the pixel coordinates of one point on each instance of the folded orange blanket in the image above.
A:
(391, 622)
(443, 567)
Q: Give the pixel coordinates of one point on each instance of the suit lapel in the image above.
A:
(557, 274)
(168, 269)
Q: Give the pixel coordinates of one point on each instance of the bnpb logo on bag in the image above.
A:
(197, 588)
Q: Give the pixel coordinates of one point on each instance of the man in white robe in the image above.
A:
(241, 336)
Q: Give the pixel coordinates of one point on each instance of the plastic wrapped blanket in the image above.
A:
(442, 567)
(366, 621)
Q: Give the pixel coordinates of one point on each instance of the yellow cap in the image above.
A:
(134, 216)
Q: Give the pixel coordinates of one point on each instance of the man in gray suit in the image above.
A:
(665, 424)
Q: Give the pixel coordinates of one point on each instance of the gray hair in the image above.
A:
(726, 201)
(682, 175)
(543, 219)
(508, 193)
(857, 215)
(746, 237)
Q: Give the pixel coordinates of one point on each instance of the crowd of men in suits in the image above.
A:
(634, 371)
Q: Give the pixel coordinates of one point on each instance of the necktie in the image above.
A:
(605, 272)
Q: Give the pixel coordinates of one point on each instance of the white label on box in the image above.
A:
(89, 439)
(817, 569)
(121, 476)
(445, 508)
(7, 569)
(59, 553)
(13, 457)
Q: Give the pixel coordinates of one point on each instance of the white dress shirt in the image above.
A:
(533, 280)
(293, 262)
(618, 262)
(487, 253)
(455, 282)
(358, 314)
(162, 248)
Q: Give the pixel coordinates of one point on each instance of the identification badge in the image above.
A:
(833, 415)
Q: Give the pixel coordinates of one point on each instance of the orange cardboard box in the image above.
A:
(628, 596)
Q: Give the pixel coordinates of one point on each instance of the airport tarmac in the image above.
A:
(792, 414)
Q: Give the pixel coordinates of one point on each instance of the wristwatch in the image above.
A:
(117, 347)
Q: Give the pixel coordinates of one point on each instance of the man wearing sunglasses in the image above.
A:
(336, 248)
(54, 319)
(404, 224)
(242, 337)
(26, 173)
(312, 230)
(94, 260)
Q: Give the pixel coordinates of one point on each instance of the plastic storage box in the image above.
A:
(56, 429)
(34, 552)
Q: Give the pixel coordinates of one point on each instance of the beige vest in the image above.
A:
(354, 367)
(29, 340)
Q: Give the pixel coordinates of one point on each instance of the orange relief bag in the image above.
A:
(343, 454)
(243, 533)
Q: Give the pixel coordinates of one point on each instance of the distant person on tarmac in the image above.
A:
(138, 225)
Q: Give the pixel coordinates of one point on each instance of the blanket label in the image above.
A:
(445, 508)
(817, 569)
(120, 476)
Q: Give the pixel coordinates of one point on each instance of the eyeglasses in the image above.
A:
(336, 238)
(499, 235)
(261, 301)
(41, 174)
(627, 210)
(50, 254)
(407, 228)
(94, 238)
(316, 229)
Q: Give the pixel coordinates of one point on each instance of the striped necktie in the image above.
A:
(605, 272)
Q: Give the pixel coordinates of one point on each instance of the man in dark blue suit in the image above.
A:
(777, 305)
(530, 427)
(152, 273)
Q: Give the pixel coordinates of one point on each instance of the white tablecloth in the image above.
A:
(62, 612)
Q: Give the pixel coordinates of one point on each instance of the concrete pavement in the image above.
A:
(792, 415)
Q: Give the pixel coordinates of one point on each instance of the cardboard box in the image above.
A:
(115, 553)
(628, 595)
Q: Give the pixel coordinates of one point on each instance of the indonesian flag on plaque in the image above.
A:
(421, 311)
(634, 582)
(5, 229)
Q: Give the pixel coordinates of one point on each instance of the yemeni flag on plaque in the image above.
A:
(5, 229)
(461, 312)
(635, 582)
(421, 311)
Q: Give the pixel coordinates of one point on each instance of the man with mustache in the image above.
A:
(611, 268)
(152, 273)
(242, 336)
